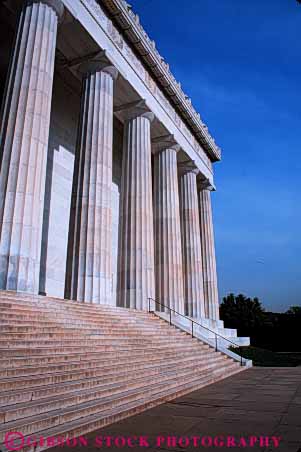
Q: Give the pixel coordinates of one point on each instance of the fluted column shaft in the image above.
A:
(191, 246)
(168, 252)
(136, 241)
(208, 256)
(24, 131)
(89, 261)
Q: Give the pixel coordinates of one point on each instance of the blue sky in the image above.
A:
(240, 62)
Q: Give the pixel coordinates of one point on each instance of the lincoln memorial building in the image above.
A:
(106, 168)
(108, 284)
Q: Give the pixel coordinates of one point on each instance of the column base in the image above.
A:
(19, 274)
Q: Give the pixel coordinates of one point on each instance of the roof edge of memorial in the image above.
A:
(130, 25)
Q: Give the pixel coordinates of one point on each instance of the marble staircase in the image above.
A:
(206, 329)
(68, 368)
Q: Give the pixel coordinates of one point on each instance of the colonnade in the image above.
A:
(166, 243)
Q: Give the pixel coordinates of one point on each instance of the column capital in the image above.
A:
(56, 5)
(99, 63)
(187, 167)
(204, 184)
(164, 142)
(134, 110)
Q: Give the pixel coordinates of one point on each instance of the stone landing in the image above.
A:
(206, 329)
(69, 368)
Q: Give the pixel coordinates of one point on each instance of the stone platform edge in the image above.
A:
(182, 324)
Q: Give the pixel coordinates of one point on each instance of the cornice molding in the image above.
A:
(130, 25)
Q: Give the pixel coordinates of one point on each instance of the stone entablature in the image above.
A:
(130, 24)
(106, 24)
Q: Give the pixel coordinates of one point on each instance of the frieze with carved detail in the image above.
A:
(125, 49)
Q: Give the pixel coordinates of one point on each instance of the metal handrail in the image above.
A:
(192, 323)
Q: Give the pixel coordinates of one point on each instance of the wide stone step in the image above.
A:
(68, 368)
(56, 310)
(28, 328)
(68, 398)
(154, 392)
(91, 341)
(9, 339)
(33, 423)
(15, 314)
(21, 382)
(63, 349)
(80, 325)
(70, 308)
(13, 317)
(42, 392)
(32, 325)
(75, 333)
(16, 298)
(27, 370)
(90, 423)
(105, 372)
(16, 362)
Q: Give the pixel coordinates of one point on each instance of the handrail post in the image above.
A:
(149, 305)
(169, 316)
(192, 328)
(216, 349)
(240, 356)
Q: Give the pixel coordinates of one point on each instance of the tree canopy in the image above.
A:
(294, 310)
(242, 312)
(271, 330)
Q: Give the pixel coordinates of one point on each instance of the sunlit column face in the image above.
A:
(136, 281)
(89, 261)
(24, 142)
(208, 256)
(168, 251)
(191, 245)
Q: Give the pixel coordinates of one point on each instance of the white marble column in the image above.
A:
(168, 252)
(136, 280)
(89, 261)
(191, 244)
(24, 133)
(208, 255)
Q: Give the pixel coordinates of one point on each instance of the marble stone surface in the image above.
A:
(24, 140)
(115, 196)
(136, 279)
(208, 256)
(204, 330)
(58, 188)
(58, 226)
(111, 236)
(168, 252)
(89, 261)
(191, 245)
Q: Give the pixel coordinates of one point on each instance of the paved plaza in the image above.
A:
(257, 402)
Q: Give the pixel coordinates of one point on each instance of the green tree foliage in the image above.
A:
(294, 310)
(242, 313)
(269, 330)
